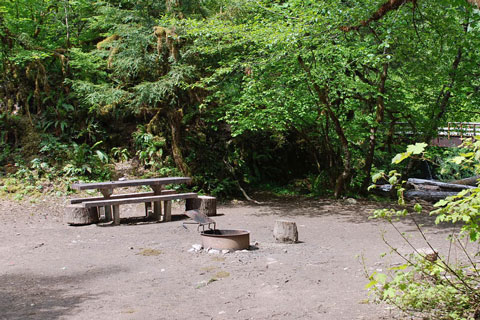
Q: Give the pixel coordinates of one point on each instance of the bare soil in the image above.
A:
(50, 270)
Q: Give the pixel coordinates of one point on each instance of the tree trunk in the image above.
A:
(373, 130)
(174, 120)
(391, 132)
(345, 176)
(329, 153)
(322, 95)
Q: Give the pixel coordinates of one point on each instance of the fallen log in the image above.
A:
(442, 185)
(471, 181)
(384, 190)
(384, 187)
(431, 196)
(428, 190)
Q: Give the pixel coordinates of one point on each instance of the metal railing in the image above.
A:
(460, 129)
(452, 130)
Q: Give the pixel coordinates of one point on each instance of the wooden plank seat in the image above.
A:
(115, 203)
(122, 196)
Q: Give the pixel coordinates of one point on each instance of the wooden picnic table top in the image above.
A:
(106, 202)
(130, 183)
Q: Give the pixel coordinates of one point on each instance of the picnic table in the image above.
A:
(111, 202)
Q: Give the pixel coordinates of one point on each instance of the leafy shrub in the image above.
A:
(120, 154)
(464, 207)
(58, 159)
(445, 162)
(151, 151)
(85, 161)
(430, 285)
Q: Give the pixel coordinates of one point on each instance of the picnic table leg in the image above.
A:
(108, 213)
(167, 210)
(108, 209)
(148, 208)
(157, 205)
(116, 215)
(157, 210)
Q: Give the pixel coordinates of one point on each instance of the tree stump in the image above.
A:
(285, 231)
(76, 214)
(204, 204)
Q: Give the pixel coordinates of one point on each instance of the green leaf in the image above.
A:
(393, 180)
(474, 235)
(371, 284)
(96, 144)
(381, 278)
(377, 176)
(389, 293)
(417, 148)
(400, 157)
(458, 159)
(417, 207)
(441, 203)
(102, 156)
(400, 267)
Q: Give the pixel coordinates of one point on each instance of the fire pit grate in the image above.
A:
(201, 219)
(217, 238)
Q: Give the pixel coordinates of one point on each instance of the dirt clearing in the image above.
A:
(49, 270)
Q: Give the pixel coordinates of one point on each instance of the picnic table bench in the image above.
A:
(85, 210)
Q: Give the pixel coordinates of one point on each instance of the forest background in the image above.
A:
(292, 95)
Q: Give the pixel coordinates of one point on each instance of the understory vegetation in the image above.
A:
(429, 284)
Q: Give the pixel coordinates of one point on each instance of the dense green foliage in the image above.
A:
(232, 92)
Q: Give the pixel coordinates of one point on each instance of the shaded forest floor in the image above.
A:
(49, 270)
